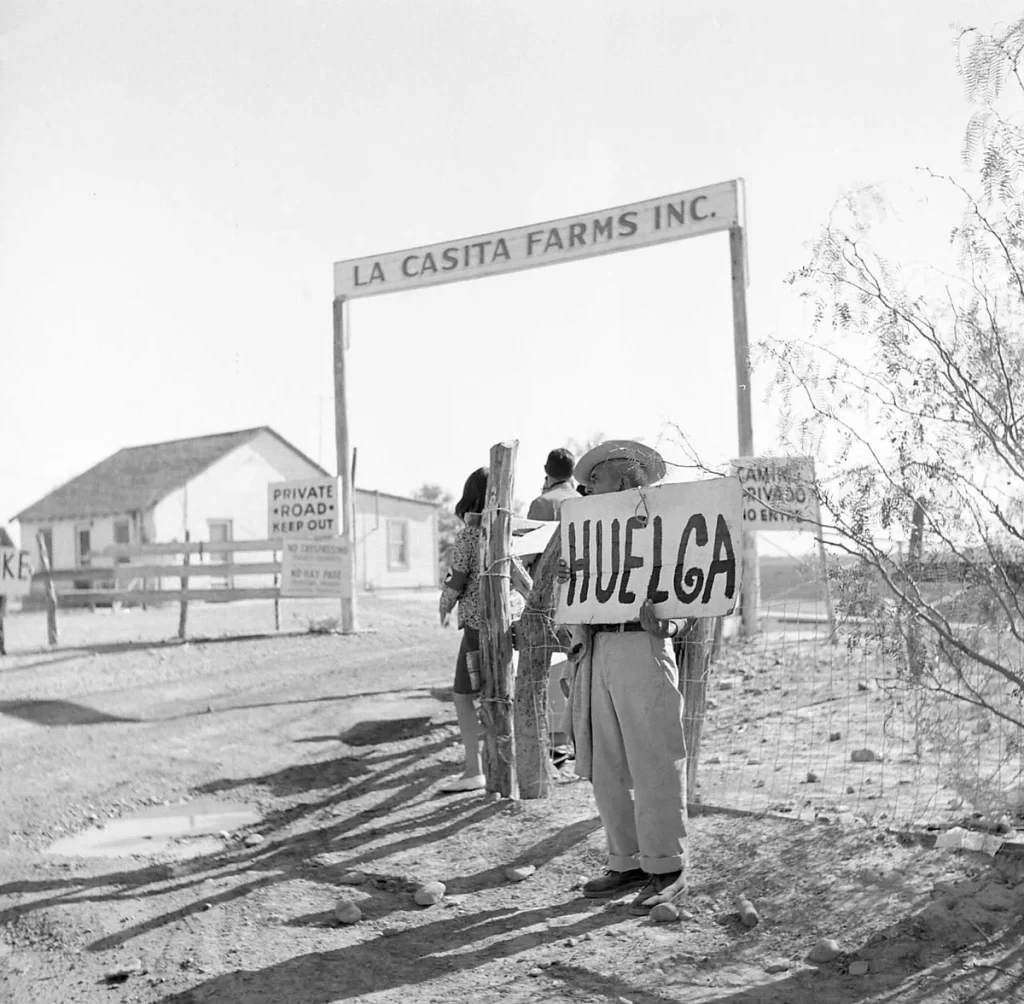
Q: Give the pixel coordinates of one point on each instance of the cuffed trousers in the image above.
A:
(639, 768)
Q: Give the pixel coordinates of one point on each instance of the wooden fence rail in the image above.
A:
(140, 580)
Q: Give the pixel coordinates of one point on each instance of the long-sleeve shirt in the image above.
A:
(462, 583)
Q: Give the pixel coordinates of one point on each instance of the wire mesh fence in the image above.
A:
(860, 725)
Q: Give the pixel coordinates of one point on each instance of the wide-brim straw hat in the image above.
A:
(621, 449)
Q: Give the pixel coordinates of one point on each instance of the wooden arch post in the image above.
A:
(349, 622)
(750, 590)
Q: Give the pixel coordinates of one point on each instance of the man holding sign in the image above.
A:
(637, 561)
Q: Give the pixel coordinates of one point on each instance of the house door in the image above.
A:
(220, 530)
(83, 554)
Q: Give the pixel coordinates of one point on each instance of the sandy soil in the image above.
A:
(340, 743)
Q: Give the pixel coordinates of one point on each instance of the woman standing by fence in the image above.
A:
(462, 586)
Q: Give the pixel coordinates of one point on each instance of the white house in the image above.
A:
(215, 487)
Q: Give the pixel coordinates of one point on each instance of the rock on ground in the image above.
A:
(429, 893)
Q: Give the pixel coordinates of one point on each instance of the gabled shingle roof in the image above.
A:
(136, 477)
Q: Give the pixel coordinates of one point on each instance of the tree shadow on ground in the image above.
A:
(281, 856)
(141, 645)
(388, 730)
(56, 713)
(403, 958)
(63, 656)
(60, 713)
(537, 855)
(406, 958)
(300, 779)
(327, 699)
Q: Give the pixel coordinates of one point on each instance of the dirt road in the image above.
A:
(338, 745)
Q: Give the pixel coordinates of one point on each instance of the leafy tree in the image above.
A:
(910, 391)
(447, 522)
(581, 446)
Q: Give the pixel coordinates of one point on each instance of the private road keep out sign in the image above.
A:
(779, 493)
(305, 508)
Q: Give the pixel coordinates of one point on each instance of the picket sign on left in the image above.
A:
(15, 572)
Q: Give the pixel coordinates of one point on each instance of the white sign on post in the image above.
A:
(675, 544)
(303, 508)
(15, 572)
(779, 493)
(314, 568)
(669, 218)
(535, 539)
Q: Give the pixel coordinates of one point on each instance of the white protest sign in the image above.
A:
(535, 539)
(15, 572)
(779, 493)
(676, 544)
(655, 221)
(303, 508)
(314, 568)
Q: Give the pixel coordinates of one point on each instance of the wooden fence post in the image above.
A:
(694, 657)
(183, 612)
(538, 640)
(716, 643)
(277, 599)
(496, 667)
(51, 593)
(915, 654)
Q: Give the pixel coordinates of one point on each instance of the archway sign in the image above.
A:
(656, 221)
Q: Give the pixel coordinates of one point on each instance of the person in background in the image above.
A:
(557, 486)
(539, 632)
(462, 586)
(547, 506)
(625, 718)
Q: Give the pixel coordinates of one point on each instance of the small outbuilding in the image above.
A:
(215, 488)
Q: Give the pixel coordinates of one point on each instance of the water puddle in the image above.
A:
(179, 831)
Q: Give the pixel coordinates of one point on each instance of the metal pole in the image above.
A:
(348, 586)
(750, 598)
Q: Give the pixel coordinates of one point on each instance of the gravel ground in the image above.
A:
(339, 744)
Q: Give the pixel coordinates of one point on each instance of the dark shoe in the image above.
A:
(612, 883)
(656, 885)
(560, 754)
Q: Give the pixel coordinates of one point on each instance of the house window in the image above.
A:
(221, 531)
(398, 544)
(83, 540)
(122, 536)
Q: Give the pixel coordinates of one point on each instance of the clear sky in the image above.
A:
(177, 178)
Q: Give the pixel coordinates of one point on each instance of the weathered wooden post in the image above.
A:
(496, 667)
(716, 644)
(277, 598)
(183, 611)
(912, 570)
(5, 541)
(693, 654)
(750, 592)
(914, 649)
(538, 640)
(51, 593)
